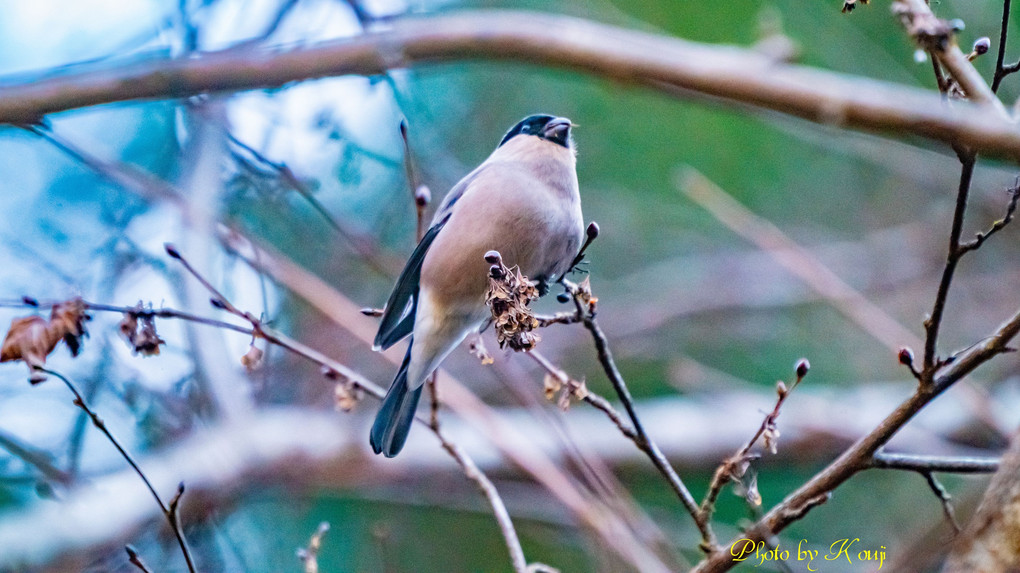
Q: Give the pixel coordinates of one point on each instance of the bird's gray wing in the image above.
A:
(398, 316)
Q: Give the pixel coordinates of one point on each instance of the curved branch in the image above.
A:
(859, 456)
(663, 63)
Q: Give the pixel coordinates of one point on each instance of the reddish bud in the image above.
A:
(802, 367)
(493, 258)
(906, 356)
(981, 45)
(422, 196)
(592, 231)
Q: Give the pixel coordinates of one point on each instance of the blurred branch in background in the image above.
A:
(629, 56)
(797, 260)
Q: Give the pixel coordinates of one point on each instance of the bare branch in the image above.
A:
(734, 467)
(947, 501)
(934, 320)
(585, 307)
(858, 456)
(170, 513)
(980, 238)
(922, 464)
(1001, 70)
(797, 260)
(628, 56)
(938, 37)
(135, 560)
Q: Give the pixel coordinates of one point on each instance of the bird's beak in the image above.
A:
(557, 130)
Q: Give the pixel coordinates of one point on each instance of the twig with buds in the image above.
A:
(734, 467)
(169, 511)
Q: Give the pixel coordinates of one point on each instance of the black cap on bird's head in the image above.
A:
(547, 127)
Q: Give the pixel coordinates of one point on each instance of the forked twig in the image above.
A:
(170, 513)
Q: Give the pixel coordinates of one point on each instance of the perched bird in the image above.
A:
(522, 201)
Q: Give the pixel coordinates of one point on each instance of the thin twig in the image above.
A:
(934, 320)
(506, 525)
(1001, 71)
(585, 310)
(135, 560)
(981, 237)
(797, 260)
(364, 246)
(937, 37)
(858, 456)
(947, 501)
(921, 464)
(101, 426)
(590, 397)
(460, 456)
(734, 467)
(420, 194)
(37, 458)
(309, 555)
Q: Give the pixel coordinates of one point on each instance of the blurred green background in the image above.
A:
(727, 318)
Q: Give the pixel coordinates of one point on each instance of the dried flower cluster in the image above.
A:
(508, 298)
(32, 338)
(142, 338)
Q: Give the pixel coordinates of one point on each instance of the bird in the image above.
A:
(522, 201)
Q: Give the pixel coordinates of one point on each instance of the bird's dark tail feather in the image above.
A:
(393, 422)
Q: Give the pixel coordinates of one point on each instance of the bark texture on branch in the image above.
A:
(991, 541)
(730, 74)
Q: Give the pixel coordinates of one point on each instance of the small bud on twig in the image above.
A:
(906, 356)
(172, 251)
(781, 388)
(802, 368)
(493, 257)
(592, 231)
(981, 46)
(422, 196)
(30, 301)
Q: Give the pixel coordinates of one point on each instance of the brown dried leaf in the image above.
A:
(67, 322)
(552, 385)
(252, 359)
(29, 339)
(142, 337)
(128, 325)
(344, 397)
(147, 342)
